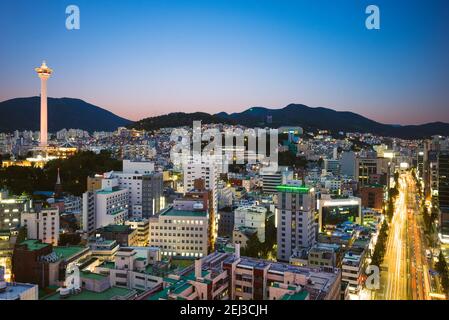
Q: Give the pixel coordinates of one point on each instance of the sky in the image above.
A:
(151, 57)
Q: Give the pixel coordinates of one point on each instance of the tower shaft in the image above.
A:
(44, 73)
(44, 113)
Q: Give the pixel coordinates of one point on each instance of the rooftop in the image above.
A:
(183, 213)
(302, 295)
(293, 189)
(13, 291)
(33, 245)
(92, 275)
(108, 294)
(117, 228)
(67, 252)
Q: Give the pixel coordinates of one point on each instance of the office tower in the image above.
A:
(420, 163)
(44, 74)
(295, 218)
(370, 169)
(205, 169)
(144, 185)
(443, 195)
(201, 175)
(347, 163)
(181, 230)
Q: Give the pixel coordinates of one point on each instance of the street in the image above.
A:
(405, 270)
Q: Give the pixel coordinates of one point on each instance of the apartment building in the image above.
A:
(144, 185)
(42, 225)
(295, 218)
(142, 226)
(108, 205)
(351, 267)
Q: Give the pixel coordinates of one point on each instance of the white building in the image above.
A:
(43, 225)
(351, 271)
(144, 185)
(131, 270)
(205, 169)
(180, 233)
(271, 180)
(295, 218)
(251, 217)
(106, 206)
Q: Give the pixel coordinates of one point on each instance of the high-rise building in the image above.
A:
(108, 205)
(144, 185)
(205, 169)
(347, 163)
(181, 231)
(443, 195)
(295, 218)
(420, 163)
(369, 167)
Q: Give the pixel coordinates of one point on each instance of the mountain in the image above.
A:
(324, 118)
(298, 115)
(178, 119)
(24, 114)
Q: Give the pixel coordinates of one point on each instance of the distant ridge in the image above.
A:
(24, 114)
(299, 115)
(178, 119)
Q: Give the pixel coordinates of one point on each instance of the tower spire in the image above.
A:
(58, 179)
(58, 187)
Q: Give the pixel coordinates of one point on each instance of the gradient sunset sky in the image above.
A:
(150, 57)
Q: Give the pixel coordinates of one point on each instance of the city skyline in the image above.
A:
(230, 56)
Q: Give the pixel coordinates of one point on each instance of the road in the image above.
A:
(405, 274)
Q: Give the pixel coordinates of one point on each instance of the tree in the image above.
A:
(441, 267)
(379, 250)
(287, 158)
(74, 172)
(69, 239)
(253, 247)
